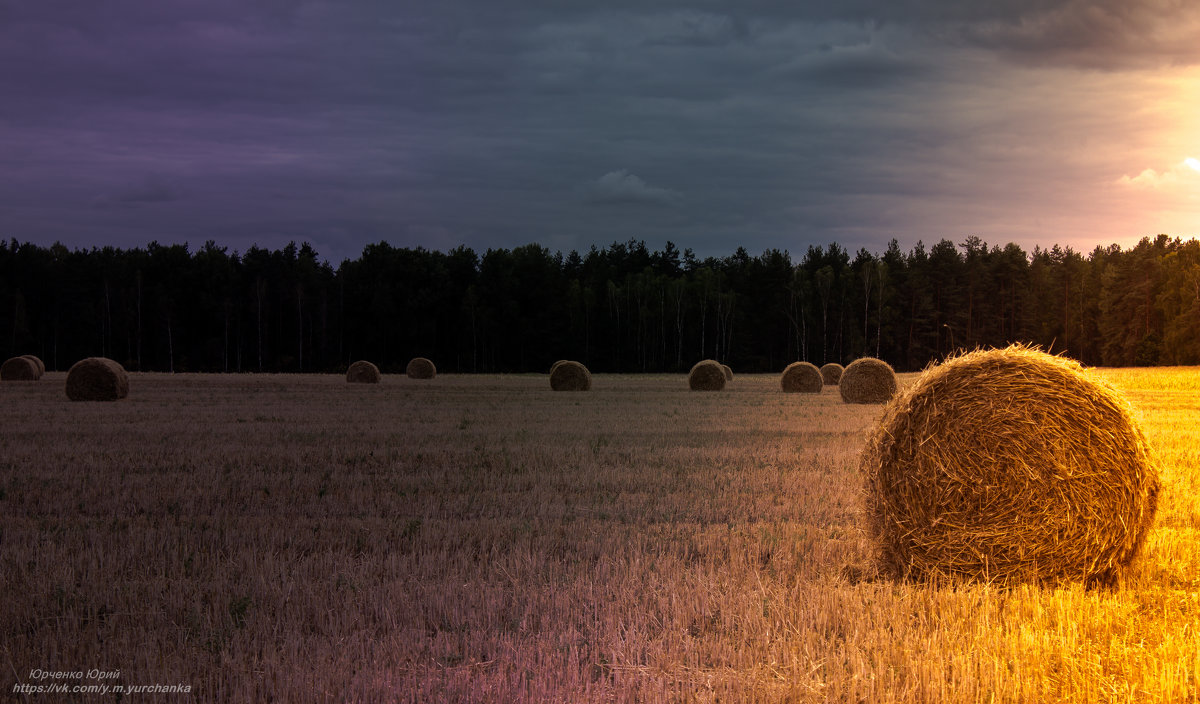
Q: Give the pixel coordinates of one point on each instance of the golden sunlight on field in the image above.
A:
(487, 539)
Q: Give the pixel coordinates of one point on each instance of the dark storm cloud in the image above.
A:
(494, 124)
(149, 190)
(622, 187)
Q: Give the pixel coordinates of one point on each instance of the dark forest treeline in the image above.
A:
(620, 308)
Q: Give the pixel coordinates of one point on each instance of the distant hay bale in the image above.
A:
(728, 372)
(832, 373)
(801, 377)
(38, 361)
(363, 372)
(1009, 466)
(421, 368)
(19, 369)
(706, 375)
(97, 379)
(867, 380)
(570, 376)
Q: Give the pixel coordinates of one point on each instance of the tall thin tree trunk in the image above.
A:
(139, 320)
(866, 304)
(258, 290)
(299, 330)
(879, 319)
(170, 346)
(107, 343)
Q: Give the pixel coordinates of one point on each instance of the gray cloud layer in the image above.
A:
(754, 123)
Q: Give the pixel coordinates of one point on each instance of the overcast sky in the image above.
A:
(761, 123)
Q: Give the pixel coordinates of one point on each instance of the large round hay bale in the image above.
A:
(41, 366)
(706, 375)
(19, 369)
(570, 376)
(363, 372)
(727, 371)
(831, 373)
(1008, 465)
(97, 379)
(801, 377)
(421, 368)
(867, 380)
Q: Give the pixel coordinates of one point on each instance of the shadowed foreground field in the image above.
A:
(486, 539)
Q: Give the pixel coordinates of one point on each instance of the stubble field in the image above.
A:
(297, 538)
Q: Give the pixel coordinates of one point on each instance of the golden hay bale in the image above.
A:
(38, 361)
(867, 380)
(706, 375)
(801, 377)
(421, 368)
(1008, 465)
(19, 369)
(97, 379)
(728, 372)
(570, 376)
(363, 372)
(832, 373)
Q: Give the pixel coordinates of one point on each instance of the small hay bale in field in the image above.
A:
(706, 375)
(19, 369)
(1009, 466)
(728, 372)
(832, 373)
(421, 368)
(38, 361)
(97, 379)
(363, 372)
(801, 377)
(570, 376)
(867, 380)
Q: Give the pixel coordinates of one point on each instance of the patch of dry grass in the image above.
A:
(483, 538)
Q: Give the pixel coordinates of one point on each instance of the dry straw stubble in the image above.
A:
(801, 377)
(832, 373)
(706, 375)
(421, 368)
(363, 372)
(867, 380)
(570, 376)
(19, 369)
(97, 379)
(1008, 466)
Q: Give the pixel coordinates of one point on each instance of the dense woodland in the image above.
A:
(623, 308)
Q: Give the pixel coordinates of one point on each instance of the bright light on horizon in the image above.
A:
(1192, 162)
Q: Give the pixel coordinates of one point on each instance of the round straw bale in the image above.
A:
(867, 380)
(832, 373)
(19, 369)
(570, 376)
(38, 361)
(555, 365)
(706, 375)
(421, 368)
(97, 379)
(363, 372)
(801, 377)
(1009, 466)
(728, 372)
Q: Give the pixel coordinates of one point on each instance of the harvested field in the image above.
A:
(489, 539)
